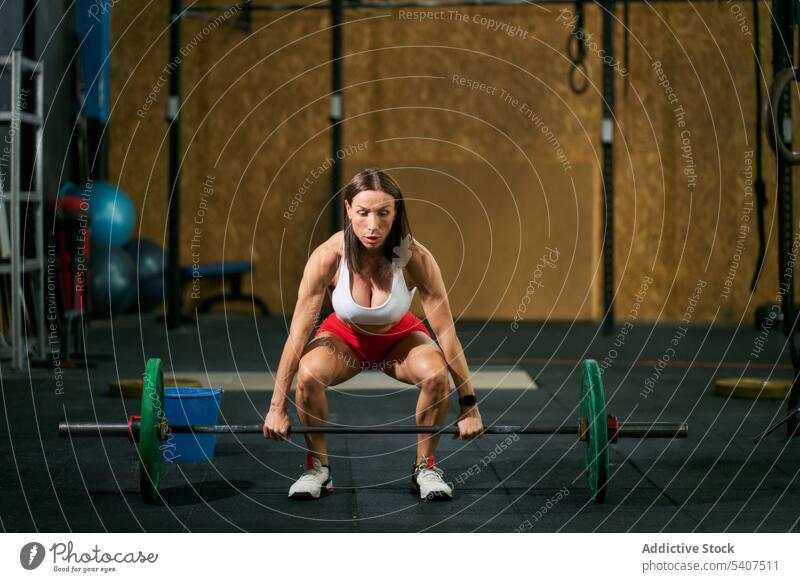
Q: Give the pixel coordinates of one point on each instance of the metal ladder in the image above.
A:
(25, 338)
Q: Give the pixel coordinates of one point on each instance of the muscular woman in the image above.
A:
(373, 267)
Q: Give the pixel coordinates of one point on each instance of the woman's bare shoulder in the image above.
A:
(325, 258)
(334, 243)
(419, 253)
(418, 249)
(420, 263)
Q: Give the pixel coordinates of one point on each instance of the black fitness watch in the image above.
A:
(468, 400)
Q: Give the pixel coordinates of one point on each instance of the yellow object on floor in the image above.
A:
(753, 388)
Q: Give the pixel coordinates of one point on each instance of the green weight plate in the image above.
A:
(149, 443)
(593, 409)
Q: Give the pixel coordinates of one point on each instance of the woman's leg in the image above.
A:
(417, 359)
(326, 361)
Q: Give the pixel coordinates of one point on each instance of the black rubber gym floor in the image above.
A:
(716, 480)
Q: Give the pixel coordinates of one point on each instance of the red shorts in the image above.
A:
(371, 348)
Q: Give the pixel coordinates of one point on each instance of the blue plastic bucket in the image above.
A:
(184, 405)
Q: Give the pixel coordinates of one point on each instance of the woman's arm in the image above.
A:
(433, 294)
(319, 269)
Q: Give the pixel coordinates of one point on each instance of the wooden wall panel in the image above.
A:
(255, 118)
(495, 260)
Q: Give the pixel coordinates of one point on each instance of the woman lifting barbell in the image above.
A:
(372, 327)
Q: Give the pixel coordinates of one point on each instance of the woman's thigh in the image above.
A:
(328, 360)
(414, 359)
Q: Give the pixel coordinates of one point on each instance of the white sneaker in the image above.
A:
(315, 480)
(427, 480)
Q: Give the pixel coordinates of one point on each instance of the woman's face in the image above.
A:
(372, 214)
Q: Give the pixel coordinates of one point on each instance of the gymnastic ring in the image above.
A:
(579, 54)
(573, 83)
(770, 118)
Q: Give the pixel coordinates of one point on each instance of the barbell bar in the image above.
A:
(625, 430)
(594, 427)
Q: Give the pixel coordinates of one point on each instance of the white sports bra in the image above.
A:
(391, 311)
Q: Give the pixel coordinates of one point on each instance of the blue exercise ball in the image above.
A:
(111, 214)
(113, 282)
(148, 260)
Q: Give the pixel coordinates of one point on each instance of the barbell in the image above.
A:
(594, 427)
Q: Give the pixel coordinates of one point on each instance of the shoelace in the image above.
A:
(426, 474)
(311, 474)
